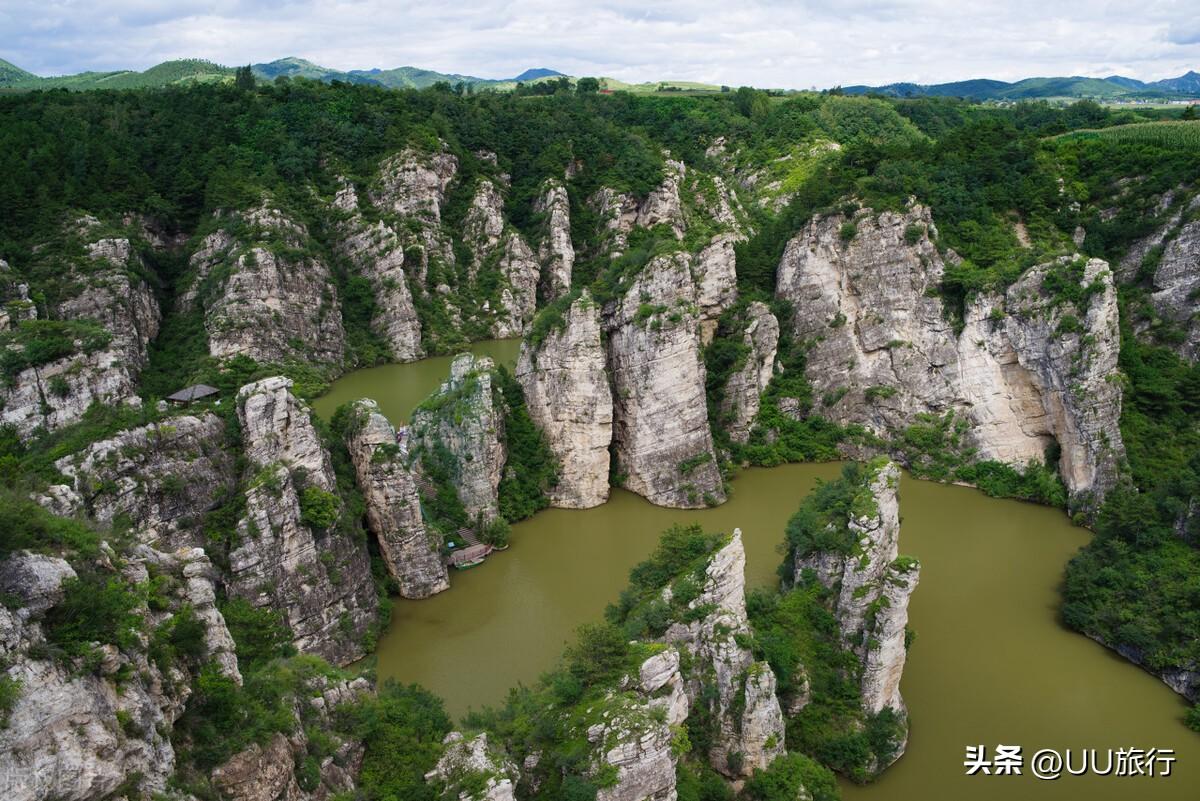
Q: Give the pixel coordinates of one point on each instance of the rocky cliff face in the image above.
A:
(377, 253)
(567, 395)
(635, 738)
(463, 419)
(495, 246)
(162, 478)
(320, 580)
(663, 441)
(62, 738)
(556, 252)
(750, 721)
(1176, 282)
(716, 282)
(871, 586)
(102, 288)
(882, 348)
(745, 385)
(263, 292)
(394, 505)
(270, 772)
(473, 760)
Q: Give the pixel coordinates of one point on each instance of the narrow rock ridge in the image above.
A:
(567, 394)
(263, 294)
(664, 446)
(464, 418)
(745, 386)
(750, 720)
(61, 740)
(161, 477)
(377, 253)
(621, 212)
(882, 348)
(394, 505)
(556, 252)
(465, 758)
(871, 586)
(494, 244)
(320, 581)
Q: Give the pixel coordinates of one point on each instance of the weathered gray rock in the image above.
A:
(716, 282)
(103, 289)
(263, 293)
(377, 253)
(320, 581)
(750, 720)
(269, 772)
(473, 757)
(464, 417)
(161, 477)
(496, 246)
(871, 587)
(567, 395)
(882, 347)
(1176, 296)
(1070, 354)
(394, 505)
(79, 735)
(663, 205)
(746, 384)
(413, 184)
(663, 441)
(556, 252)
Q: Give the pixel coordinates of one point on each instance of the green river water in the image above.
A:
(991, 663)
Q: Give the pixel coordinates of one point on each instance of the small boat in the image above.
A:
(470, 556)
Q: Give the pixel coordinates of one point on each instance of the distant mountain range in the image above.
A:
(186, 71)
(190, 71)
(1114, 87)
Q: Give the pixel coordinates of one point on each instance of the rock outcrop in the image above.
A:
(114, 316)
(377, 253)
(556, 251)
(1028, 370)
(636, 741)
(664, 445)
(567, 394)
(475, 762)
(394, 505)
(81, 734)
(716, 282)
(263, 293)
(870, 586)
(750, 729)
(496, 246)
(271, 772)
(745, 385)
(161, 478)
(1176, 283)
(319, 580)
(464, 421)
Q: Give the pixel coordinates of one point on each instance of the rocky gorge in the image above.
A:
(191, 585)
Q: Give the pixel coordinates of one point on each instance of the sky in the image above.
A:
(766, 43)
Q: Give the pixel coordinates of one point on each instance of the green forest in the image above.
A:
(183, 155)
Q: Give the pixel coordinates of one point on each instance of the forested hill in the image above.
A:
(267, 238)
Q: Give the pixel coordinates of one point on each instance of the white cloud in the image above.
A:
(761, 42)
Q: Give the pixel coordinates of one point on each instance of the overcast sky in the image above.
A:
(767, 43)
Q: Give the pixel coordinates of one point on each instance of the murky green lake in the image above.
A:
(991, 663)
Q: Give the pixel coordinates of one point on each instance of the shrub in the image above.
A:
(319, 509)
